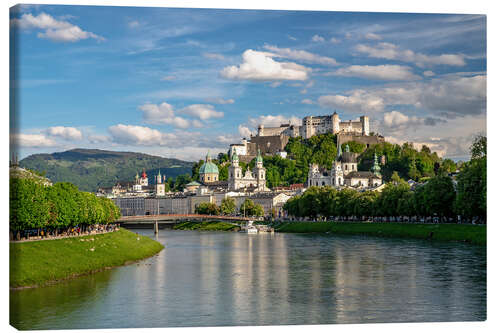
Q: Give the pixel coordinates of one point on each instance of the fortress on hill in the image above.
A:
(272, 140)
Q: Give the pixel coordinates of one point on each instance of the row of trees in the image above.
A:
(61, 206)
(228, 207)
(439, 196)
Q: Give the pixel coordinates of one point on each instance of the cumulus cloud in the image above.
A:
(260, 66)
(317, 39)
(164, 113)
(32, 140)
(396, 119)
(139, 135)
(429, 73)
(133, 24)
(300, 55)
(334, 40)
(66, 133)
(55, 30)
(373, 36)
(273, 121)
(392, 52)
(244, 131)
(357, 101)
(202, 111)
(380, 72)
(451, 96)
(218, 100)
(97, 138)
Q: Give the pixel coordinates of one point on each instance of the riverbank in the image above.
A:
(38, 263)
(207, 226)
(474, 234)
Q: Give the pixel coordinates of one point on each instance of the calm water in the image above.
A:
(224, 278)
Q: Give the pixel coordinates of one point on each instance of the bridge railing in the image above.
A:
(182, 216)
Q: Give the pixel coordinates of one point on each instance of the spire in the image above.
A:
(346, 147)
(158, 179)
(207, 158)
(376, 167)
(339, 150)
(259, 156)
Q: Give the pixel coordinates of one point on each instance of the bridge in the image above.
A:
(176, 218)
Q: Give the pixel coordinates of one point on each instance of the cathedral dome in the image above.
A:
(209, 167)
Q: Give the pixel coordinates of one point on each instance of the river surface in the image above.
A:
(228, 278)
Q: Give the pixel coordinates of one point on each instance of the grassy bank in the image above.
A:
(444, 232)
(207, 226)
(41, 262)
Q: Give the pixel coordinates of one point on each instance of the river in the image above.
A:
(227, 278)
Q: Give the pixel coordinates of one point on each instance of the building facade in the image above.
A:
(250, 179)
(344, 172)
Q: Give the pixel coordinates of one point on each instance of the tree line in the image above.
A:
(438, 197)
(228, 207)
(56, 208)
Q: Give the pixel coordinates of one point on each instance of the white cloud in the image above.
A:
(66, 133)
(373, 36)
(317, 39)
(429, 73)
(307, 101)
(32, 140)
(391, 51)
(334, 40)
(273, 121)
(97, 138)
(301, 55)
(164, 113)
(202, 111)
(452, 96)
(398, 120)
(55, 30)
(358, 100)
(291, 37)
(139, 135)
(218, 100)
(244, 131)
(380, 72)
(215, 56)
(260, 66)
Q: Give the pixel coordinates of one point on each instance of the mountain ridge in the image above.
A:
(92, 168)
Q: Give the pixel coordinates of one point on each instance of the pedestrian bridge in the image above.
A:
(176, 218)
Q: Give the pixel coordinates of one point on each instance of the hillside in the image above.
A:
(92, 168)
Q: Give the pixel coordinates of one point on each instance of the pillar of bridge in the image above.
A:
(156, 227)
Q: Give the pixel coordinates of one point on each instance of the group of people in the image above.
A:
(70, 232)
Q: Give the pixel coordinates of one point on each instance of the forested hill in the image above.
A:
(92, 168)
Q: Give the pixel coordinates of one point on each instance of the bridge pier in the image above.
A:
(155, 226)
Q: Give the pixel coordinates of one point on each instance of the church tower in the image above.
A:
(337, 172)
(234, 173)
(260, 172)
(159, 186)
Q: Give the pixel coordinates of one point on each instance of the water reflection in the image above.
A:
(216, 278)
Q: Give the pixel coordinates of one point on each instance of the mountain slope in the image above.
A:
(93, 168)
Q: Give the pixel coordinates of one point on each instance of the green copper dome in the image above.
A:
(235, 157)
(208, 167)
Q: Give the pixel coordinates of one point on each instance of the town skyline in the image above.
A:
(179, 82)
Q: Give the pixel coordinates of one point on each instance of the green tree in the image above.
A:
(207, 208)
(439, 196)
(228, 206)
(29, 207)
(478, 147)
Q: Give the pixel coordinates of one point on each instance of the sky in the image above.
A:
(180, 82)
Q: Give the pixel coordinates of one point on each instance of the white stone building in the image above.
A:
(344, 172)
(250, 179)
(313, 125)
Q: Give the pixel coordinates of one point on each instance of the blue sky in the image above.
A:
(177, 82)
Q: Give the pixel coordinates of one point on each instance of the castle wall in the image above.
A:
(368, 140)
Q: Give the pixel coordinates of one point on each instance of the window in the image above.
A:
(347, 167)
(352, 167)
(322, 183)
(208, 178)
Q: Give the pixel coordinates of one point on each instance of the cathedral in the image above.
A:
(251, 179)
(344, 172)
